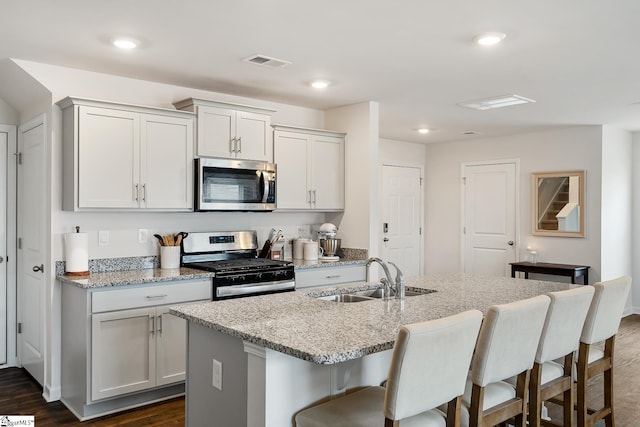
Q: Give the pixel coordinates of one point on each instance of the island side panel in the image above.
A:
(205, 404)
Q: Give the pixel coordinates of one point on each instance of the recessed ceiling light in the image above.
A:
(319, 84)
(125, 43)
(490, 38)
(496, 102)
(423, 131)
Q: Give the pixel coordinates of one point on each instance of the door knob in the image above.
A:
(39, 268)
(510, 243)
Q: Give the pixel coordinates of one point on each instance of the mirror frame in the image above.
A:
(534, 203)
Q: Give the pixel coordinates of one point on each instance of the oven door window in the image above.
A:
(221, 185)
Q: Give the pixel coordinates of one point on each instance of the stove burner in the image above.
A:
(243, 264)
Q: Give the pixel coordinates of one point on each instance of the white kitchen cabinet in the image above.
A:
(135, 350)
(231, 131)
(310, 169)
(120, 345)
(121, 157)
(329, 276)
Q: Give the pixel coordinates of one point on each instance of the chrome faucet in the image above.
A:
(387, 281)
(399, 285)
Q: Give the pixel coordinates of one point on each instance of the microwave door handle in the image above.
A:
(265, 187)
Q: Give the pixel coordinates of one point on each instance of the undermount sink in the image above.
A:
(369, 295)
(345, 298)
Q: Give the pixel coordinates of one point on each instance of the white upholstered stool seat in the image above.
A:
(364, 408)
(506, 348)
(559, 340)
(428, 368)
(601, 325)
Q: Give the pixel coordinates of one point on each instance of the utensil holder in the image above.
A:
(169, 257)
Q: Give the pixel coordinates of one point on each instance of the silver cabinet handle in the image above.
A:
(156, 296)
(159, 324)
(239, 145)
(335, 276)
(144, 192)
(136, 192)
(152, 324)
(39, 268)
(309, 199)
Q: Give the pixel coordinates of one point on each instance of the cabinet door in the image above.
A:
(216, 132)
(254, 136)
(290, 154)
(166, 166)
(328, 276)
(123, 357)
(171, 345)
(327, 171)
(108, 158)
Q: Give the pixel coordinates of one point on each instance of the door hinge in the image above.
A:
(420, 231)
(421, 181)
(19, 158)
(464, 180)
(19, 328)
(19, 242)
(464, 230)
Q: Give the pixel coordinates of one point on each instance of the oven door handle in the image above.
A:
(235, 290)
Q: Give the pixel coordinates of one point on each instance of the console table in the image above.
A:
(568, 270)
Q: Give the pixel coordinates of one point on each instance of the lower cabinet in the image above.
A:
(135, 350)
(121, 347)
(328, 276)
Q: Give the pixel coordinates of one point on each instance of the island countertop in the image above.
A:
(327, 332)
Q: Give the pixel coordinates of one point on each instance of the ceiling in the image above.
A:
(576, 58)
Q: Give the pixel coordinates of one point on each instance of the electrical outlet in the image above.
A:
(103, 238)
(142, 235)
(216, 377)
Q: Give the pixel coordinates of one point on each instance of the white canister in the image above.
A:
(169, 257)
(298, 247)
(311, 251)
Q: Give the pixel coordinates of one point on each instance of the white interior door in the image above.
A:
(489, 221)
(31, 254)
(4, 300)
(402, 218)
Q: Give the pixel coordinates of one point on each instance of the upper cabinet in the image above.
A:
(231, 131)
(122, 157)
(310, 169)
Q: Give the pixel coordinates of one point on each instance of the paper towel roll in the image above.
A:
(76, 253)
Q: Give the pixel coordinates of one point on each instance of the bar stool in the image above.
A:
(602, 323)
(506, 348)
(560, 340)
(428, 368)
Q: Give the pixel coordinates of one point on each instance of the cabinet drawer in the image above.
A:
(327, 276)
(147, 296)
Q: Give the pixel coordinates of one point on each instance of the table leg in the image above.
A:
(513, 271)
(526, 274)
(573, 278)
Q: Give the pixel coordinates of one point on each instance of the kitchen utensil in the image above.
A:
(169, 256)
(160, 239)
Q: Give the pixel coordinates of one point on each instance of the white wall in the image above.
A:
(8, 115)
(616, 203)
(357, 224)
(575, 148)
(393, 152)
(635, 187)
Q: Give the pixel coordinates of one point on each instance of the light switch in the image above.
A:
(103, 238)
(142, 235)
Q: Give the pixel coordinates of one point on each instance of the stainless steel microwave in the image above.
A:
(234, 185)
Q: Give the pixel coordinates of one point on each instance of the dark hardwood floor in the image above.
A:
(20, 394)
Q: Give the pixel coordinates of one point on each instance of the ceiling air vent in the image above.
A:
(496, 102)
(266, 61)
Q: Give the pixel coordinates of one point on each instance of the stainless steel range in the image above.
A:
(233, 257)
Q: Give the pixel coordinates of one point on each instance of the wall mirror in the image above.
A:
(558, 204)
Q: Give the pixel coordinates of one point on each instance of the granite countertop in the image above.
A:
(134, 277)
(327, 332)
(300, 264)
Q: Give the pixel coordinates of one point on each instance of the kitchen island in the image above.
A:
(257, 361)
